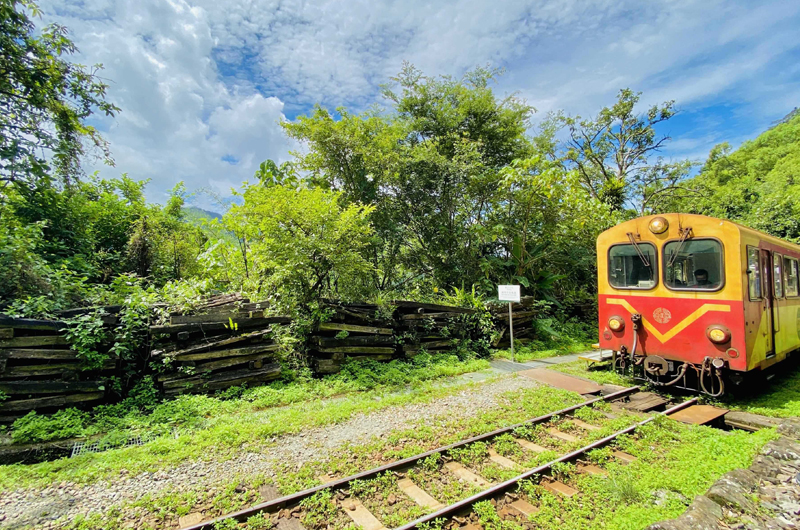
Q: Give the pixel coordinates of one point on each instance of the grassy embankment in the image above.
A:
(217, 427)
(630, 497)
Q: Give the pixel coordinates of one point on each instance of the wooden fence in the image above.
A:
(228, 341)
(228, 344)
(38, 370)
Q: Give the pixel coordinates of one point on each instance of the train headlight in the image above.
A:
(616, 323)
(658, 225)
(718, 334)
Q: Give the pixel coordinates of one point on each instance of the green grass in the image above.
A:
(191, 412)
(779, 397)
(553, 339)
(600, 375)
(207, 427)
(533, 352)
(675, 462)
(350, 458)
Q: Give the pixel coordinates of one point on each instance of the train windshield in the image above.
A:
(695, 265)
(632, 266)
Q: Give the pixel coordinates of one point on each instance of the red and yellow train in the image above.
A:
(694, 302)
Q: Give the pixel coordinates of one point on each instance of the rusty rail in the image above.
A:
(276, 504)
(457, 507)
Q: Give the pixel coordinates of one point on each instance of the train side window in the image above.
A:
(632, 266)
(777, 274)
(694, 265)
(791, 276)
(753, 273)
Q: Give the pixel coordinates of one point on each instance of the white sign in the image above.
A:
(508, 293)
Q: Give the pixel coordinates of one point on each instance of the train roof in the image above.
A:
(688, 216)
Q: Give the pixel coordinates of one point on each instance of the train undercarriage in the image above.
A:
(710, 377)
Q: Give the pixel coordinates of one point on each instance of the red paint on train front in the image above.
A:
(675, 328)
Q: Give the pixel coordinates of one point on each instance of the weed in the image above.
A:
(472, 455)
(507, 446)
(562, 470)
(432, 462)
(623, 490)
(259, 522)
(226, 524)
(320, 509)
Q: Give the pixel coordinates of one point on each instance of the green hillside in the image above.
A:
(757, 185)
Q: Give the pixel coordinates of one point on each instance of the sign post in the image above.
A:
(510, 294)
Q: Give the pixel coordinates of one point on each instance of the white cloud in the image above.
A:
(179, 120)
(203, 80)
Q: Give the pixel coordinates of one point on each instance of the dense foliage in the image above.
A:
(757, 185)
(45, 100)
(439, 195)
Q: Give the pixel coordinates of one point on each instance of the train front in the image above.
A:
(670, 300)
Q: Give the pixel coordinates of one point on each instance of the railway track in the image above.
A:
(564, 439)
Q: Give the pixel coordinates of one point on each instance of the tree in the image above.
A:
(546, 226)
(301, 245)
(613, 155)
(45, 100)
(758, 184)
(430, 167)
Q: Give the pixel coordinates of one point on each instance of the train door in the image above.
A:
(768, 299)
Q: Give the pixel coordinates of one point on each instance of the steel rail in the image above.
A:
(294, 498)
(453, 509)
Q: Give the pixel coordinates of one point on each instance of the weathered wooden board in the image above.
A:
(31, 324)
(232, 352)
(206, 345)
(360, 515)
(363, 350)
(216, 365)
(241, 323)
(214, 317)
(368, 340)
(749, 422)
(6, 333)
(39, 354)
(436, 308)
(229, 377)
(50, 401)
(383, 357)
(327, 366)
(69, 313)
(31, 370)
(423, 316)
(428, 345)
(208, 386)
(33, 342)
(17, 388)
(336, 326)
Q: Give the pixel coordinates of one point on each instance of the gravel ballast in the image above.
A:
(41, 508)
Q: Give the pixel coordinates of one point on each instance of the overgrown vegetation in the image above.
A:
(201, 426)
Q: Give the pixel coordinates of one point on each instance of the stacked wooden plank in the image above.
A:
(360, 331)
(226, 342)
(368, 331)
(522, 316)
(38, 370)
(432, 328)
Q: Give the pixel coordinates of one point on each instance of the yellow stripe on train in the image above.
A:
(680, 326)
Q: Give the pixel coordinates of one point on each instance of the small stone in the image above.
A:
(391, 499)
(351, 506)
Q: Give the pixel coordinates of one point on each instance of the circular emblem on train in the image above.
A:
(662, 315)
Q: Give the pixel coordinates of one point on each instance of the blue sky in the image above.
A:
(203, 85)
